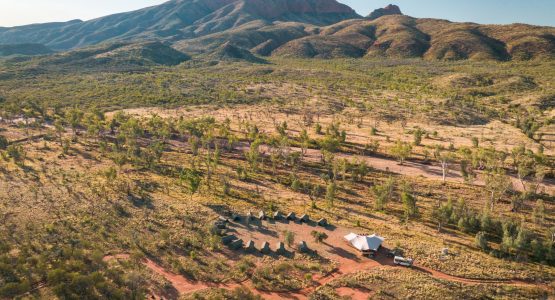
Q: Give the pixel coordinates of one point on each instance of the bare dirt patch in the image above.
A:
(354, 293)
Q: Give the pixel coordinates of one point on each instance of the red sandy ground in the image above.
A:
(354, 294)
(415, 169)
(335, 248)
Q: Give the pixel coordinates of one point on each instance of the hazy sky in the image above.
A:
(541, 12)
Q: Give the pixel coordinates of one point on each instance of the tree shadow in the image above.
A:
(143, 201)
(343, 253)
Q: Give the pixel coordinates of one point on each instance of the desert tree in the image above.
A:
(211, 156)
(304, 141)
(383, 193)
(74, 117)
(444, 158)
(192, 180)
(523, 163)
(409, 205)
(465, 164)
(253, 155)
(318, 128)
(488, 158)
(522, 240)
(497, 185)
(294, 160)
(153, 154)
(129, 132)
(319, 237)
(441, 214)
(314, 191)
(331, 193)
(339, 168)
(60, 129)
(359, 170)
(539, 175)
(226, 132)
(539, 212)
(94, 122)
(418, 134)
(401, 151)
(282, 128)
(17, 153)
(329, 143)
(481, 241)
(289, 237)
(158, 128)
(66, 146)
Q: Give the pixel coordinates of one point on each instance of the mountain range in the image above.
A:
(288, 28)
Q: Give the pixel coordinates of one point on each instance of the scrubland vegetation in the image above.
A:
(431, 155)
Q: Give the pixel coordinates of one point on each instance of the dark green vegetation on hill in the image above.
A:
(24, 49)
(228, 52)
(115, 57)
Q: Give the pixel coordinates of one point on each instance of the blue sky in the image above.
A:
(540, 12)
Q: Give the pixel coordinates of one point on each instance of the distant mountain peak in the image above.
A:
(177, 20)
(274, 8)
(391, 9)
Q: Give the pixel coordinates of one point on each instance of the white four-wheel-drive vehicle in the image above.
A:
(401, 261)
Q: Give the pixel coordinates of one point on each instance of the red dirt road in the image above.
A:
(415, 169)
(335, 249)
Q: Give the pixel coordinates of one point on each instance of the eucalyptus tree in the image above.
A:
(383, 193)
(192, 180)
(331, 191)
(129, 132)
(159, 128)
(74, 118)
(445, 158)
(409, 205)
(529, 167)
(94, 122)
(60, 130)
(498, 183)
(418, 134)
(401, 151)
(253, 155)
(304, 141)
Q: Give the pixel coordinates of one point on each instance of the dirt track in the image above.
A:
(186, 286)
(335, 249)
(412, 169)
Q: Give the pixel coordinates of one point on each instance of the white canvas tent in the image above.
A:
(365, 243)
(351, 236)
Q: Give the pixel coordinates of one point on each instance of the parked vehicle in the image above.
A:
(395, 252)
(401, 261)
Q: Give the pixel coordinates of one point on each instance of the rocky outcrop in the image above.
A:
(386, 11)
